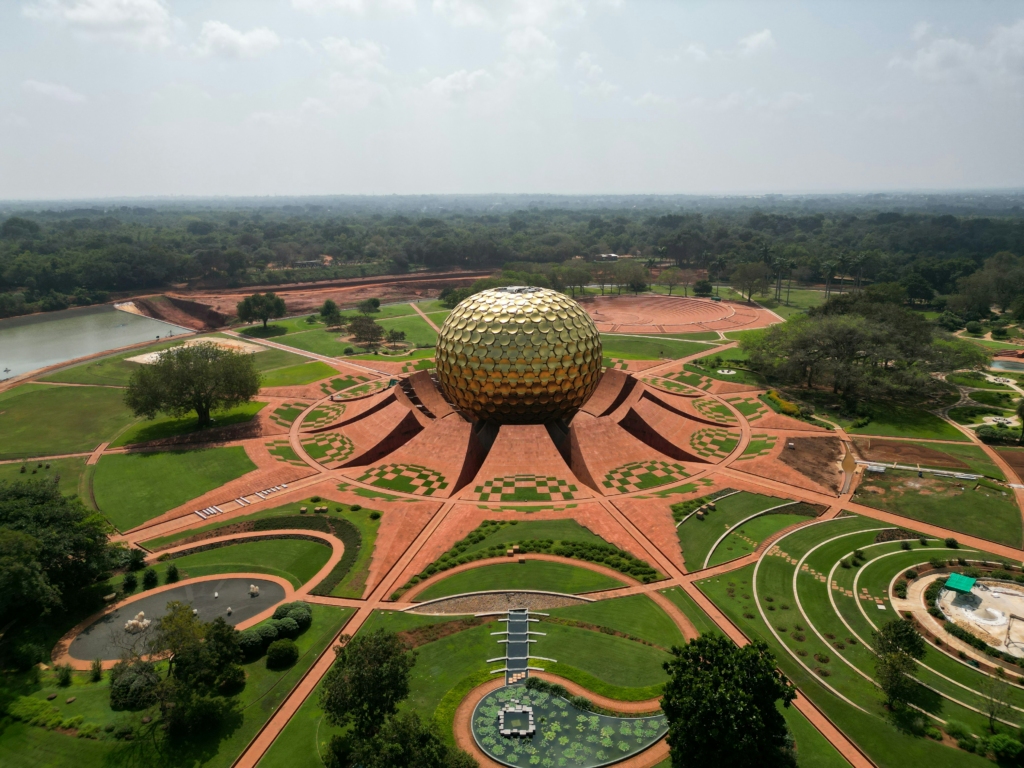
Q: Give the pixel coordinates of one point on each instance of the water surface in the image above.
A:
(1006, 365)
(36, 341)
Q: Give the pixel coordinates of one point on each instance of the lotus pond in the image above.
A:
(561, 733)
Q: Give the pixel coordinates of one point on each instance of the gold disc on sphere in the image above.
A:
(519, 355)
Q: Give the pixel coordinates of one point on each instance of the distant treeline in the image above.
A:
(52, 259)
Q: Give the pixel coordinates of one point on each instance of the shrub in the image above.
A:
(933, 733)
(900, 589)
(958, 730)
(96, 671)
(1005, 747)
(133, 685)
(282, 654)
(303, 618)
(356, 507)
(149, 579)
(315, 499)
(952, 543)
(136, 559)
(863, 421)
(171, 574)
(268, 632)
(974, 327)
(287, 628)
(905, 545)
(27, 655)
(232, 679)
(63, 675)
(911, 574)
(250, 642)
(375, 515)
(130, 583)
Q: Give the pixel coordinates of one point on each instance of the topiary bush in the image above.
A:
(171, 575)
(63, 672)
(130, 583)
(149, 579)
(287, 628)
(251, 643)
(268, 632)
(281, 654)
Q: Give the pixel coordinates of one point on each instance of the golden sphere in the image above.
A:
(519, 355)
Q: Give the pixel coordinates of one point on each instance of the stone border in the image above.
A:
(413, 608)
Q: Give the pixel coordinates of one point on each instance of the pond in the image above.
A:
(107, 638)
(544, 729)
(1006, 365)
(36, 341)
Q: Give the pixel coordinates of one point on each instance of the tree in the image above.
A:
(404, 741)
(576, 275)
(366, 683)
(1019, 410)
(51, 547)
(366, 333)
(702, 288)
(200, 377)
(632, 274)
(897, 644)
(368, 306)
(452, 297)
(751, 276)
(260, 306)
(330, 313)
(394, 336)
(994, 691)
(918, 289)
(720, 701)
(670, 278)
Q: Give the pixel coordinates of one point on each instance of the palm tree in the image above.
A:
(842, 263)
(719, 266)
(790, 266)
(829, 268)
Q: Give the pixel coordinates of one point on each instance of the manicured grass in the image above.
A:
(995, 399)
(432, 305)
(297, 375)
(975, 414)
(533, 574)
(800, 300)
(416, 354)
(133, 488)
(269, 359)
(305, 739)
(167, 426)
(296, 560)
(286, 413)
(889, 420)
(613, 660)
(321, 342)
(700, 620)
(747, 537)
(741, 335)
(54, 420)
(417, 331)
(32, 747)
(68, 470)
(626, 347)
(701, 336)
(742, 376)
(557, 530)
(967, 380)
(280, 327)
(874, 733)
(636, 615)
(983, 512)
(696, 537)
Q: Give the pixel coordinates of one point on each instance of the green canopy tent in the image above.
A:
(960, 583)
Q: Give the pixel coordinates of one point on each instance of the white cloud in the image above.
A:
(585, 63)
(532, 54)
(140, 22)
(920, 30)
(458, 83)
(755, 43)
(1000, 60)
(358, 7)
(650, 99)
(362, 56)
(355, 93)
(697, 52)
(512, 13)
(53, 91)
(219, 39)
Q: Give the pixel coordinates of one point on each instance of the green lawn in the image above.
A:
(700, 620)
(984, 512)
(741, 376)
(167, 426)
(415, 354)
(417, 331)
(297, 375)
(537, 530)
(800, 300)
(23, 746)
(627, 347)
(320, 342)
(269, 359)
(995, 399)
(53, 420)
(613, 660)
(636, 615)
(696, 537)
(972, 414)
(967, 380)
(296, 560)
(747, 537)
(888, 420)
(69, 471)
(133, 488)
(533, 574)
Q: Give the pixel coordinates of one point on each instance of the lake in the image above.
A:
(36, 341)
(1006, 365)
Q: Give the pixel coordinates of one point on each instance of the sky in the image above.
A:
(112, 98)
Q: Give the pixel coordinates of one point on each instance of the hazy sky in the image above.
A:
(255, 97)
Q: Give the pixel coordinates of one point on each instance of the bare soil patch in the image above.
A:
(1015, 458)
(888, 451)
(816, 458)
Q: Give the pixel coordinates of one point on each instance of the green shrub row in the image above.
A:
(683, 508)
(289, 621)
(780, 404)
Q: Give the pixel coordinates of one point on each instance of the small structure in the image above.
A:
(516, 721)
(960, 583)
(254, 591)
(139, 624)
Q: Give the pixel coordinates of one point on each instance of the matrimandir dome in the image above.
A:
(519, 355)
